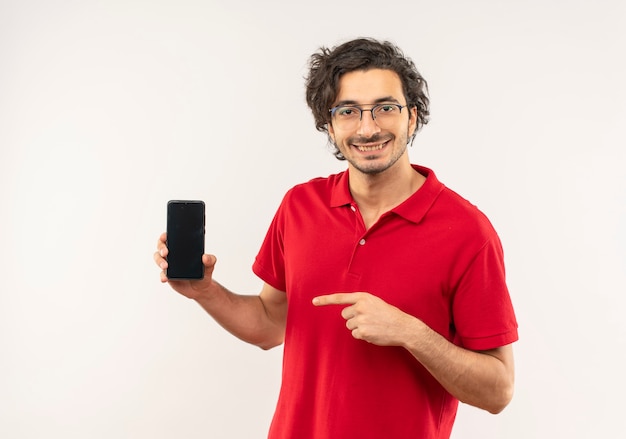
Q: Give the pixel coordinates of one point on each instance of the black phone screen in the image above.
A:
(185, 239)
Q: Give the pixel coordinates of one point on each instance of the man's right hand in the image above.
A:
(192, 289)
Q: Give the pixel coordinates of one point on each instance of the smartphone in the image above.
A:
(185, 239)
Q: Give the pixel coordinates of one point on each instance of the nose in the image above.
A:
(367, 124)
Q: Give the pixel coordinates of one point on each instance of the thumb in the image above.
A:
(209, 262)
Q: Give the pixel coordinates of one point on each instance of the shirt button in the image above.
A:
(362, 241)
(353, 208)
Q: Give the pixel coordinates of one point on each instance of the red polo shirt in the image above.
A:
(435, 256)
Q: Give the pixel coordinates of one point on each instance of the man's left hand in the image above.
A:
(370, 318)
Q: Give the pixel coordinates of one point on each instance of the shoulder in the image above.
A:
(318, 188)
(463, 212)
(448, 206)
(459, 216)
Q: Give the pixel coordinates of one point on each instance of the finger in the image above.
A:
(348, 312)
(162, 239)
(209, 261)
(160, 260)
(336, 299)
(356, 334)
(162, 245)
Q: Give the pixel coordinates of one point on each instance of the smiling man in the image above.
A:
(386, 287)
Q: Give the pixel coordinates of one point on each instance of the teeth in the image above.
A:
(370, 148)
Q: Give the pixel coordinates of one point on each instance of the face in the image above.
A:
(367, 147)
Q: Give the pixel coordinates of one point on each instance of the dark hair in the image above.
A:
(328, 65)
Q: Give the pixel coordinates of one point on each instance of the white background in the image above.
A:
(110, 108)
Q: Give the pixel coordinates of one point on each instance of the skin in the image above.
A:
(384, 178)
(379, 180)
(256, 319)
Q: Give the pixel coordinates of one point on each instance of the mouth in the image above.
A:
(371, 148)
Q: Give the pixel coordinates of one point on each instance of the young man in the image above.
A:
(386, 287)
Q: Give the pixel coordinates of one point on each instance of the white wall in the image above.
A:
(110, 108)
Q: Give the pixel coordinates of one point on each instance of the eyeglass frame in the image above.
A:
(333, 110)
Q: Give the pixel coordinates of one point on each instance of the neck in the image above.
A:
(376, 194)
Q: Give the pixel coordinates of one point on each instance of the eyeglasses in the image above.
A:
(348, 116)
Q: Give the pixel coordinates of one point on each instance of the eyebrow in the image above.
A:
(377, 101)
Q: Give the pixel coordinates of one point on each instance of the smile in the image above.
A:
(370, 148)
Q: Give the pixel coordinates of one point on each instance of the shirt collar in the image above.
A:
(412, 209)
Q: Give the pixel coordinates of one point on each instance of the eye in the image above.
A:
(347, 112)
(386, 109)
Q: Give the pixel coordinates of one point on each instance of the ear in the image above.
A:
(412, 121)
(331, 131)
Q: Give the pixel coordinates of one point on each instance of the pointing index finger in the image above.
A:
(336, 299)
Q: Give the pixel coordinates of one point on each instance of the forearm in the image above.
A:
(245, 316)
(259, 320)
(482, 379)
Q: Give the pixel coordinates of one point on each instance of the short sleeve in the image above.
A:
(482, 309)
(269, 264)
